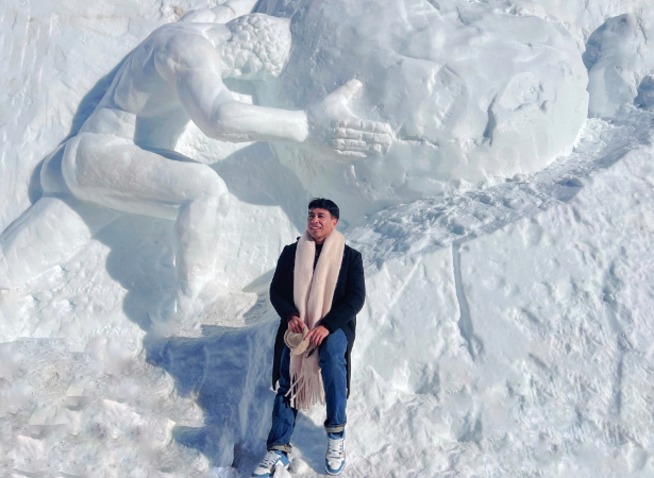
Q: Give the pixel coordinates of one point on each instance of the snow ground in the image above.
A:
(506, 331)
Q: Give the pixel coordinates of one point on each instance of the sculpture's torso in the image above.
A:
(140, 103)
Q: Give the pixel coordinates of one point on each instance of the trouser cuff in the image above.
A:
(285, 448)
(335, 429)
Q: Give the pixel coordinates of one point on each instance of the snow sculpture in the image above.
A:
(432, 74)
(123, 160)
(473, 94)
(616, 58)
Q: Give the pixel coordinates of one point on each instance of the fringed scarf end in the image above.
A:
(306, 391)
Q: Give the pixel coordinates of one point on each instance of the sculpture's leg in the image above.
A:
(45, 235)
(111, 171)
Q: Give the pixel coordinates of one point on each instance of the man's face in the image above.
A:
(320, 224)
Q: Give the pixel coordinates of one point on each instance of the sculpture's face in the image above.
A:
(320, 224)
(249, 67)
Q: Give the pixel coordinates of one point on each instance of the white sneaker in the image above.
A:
(335, 457)
(266, 468)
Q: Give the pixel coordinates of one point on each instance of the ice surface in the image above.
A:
(506, 331)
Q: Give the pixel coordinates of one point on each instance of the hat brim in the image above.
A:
(297, 342)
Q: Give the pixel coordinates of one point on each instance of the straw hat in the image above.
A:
(297, 342)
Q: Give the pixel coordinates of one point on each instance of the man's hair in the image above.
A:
(323, 203)
(265, 37)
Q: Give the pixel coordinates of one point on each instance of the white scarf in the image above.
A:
(313, 292)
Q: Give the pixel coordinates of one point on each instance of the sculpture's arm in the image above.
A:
(194, 68)
(235, 121)
(327, 125)
(213, 108)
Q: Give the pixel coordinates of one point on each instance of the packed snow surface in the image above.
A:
(506, 235)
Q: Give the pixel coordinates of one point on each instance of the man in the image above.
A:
(317, 290)
(123, 159)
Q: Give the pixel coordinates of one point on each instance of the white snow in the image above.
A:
(507, 328)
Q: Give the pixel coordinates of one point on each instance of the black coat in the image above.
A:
(349, 296)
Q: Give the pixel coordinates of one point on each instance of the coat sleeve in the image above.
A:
(281, 297)
(281, 286)
(355, 295)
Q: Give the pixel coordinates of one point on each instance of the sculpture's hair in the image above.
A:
(266, 38)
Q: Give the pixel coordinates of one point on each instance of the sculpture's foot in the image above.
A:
(181, 314)
(165, 319)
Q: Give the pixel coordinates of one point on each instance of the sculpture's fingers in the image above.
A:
(348, 133)
(365, 125)
(360, 147)
(364, 140)
(369, 137)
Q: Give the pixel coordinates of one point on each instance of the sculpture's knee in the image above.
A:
(211, 187)
(70, 167)
(50, 175)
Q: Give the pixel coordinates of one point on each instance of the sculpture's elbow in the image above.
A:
(225, 123)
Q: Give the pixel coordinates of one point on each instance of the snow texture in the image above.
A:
(506, 236)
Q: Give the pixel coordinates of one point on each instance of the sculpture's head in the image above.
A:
(259, 46)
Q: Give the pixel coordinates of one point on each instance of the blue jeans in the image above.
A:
(333, 369)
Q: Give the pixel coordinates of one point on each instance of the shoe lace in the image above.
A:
(335, 448)
(270, 459)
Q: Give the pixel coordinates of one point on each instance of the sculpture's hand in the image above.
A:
(331, 123)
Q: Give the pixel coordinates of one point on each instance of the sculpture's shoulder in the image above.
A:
(180, 43)
(172, 36)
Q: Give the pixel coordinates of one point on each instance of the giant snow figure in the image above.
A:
(452, 96)
(123, 157)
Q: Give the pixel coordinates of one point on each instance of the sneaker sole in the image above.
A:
(335, 472)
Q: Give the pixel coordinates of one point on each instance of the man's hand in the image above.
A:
(295, 324)
(331, 123)
(317, 335)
